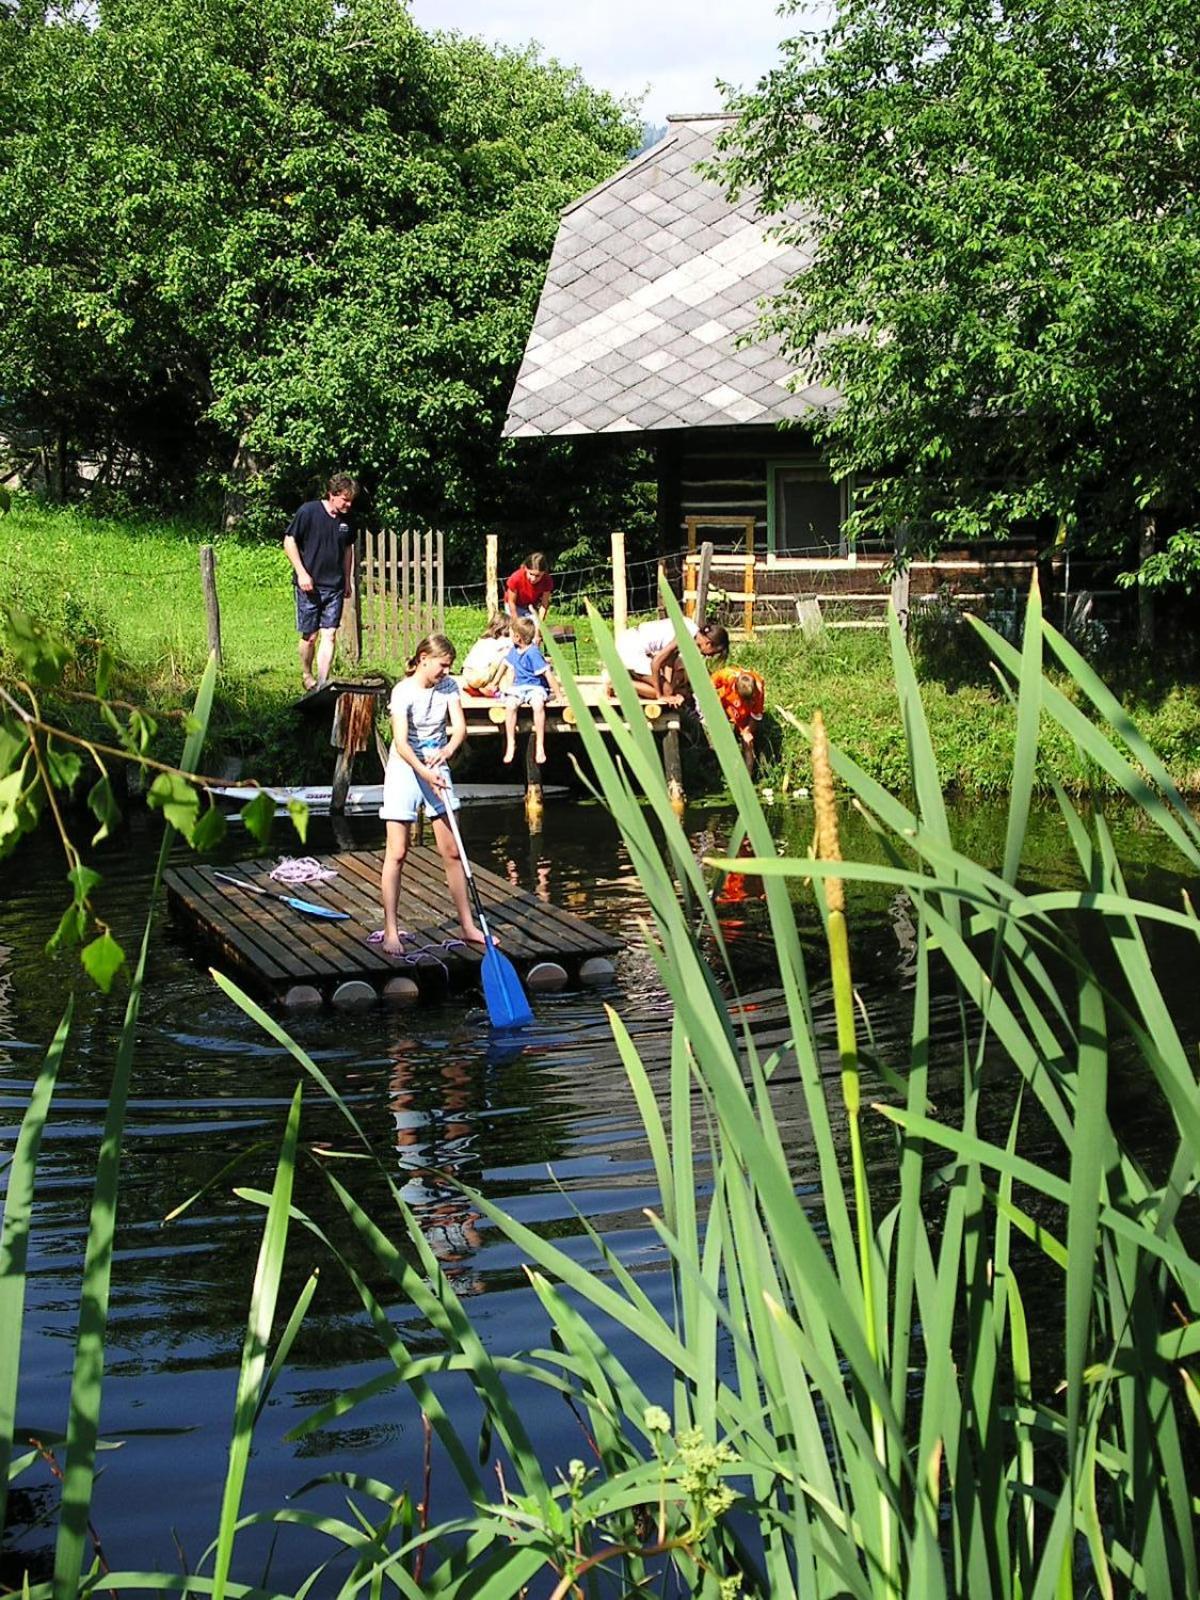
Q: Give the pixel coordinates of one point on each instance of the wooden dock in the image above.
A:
(304, 960)
(354, 721)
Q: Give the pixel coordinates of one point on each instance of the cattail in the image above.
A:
(827, 846)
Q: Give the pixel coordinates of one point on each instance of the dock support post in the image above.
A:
(534, 801)
(673, 768)
(212, 607)
(353, 725)
(343, 771)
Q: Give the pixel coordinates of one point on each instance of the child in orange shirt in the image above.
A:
(742, 694)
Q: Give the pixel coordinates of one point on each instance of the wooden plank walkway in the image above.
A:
(299, 959)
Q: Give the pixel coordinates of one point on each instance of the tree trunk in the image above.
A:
(245, 466)
(1146, 535)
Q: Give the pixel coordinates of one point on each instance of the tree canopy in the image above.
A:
(1001, 198)
(259, 241)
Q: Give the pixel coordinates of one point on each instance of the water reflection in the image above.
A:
(437, 1134)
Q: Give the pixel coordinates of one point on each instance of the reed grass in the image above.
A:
(859, 1403)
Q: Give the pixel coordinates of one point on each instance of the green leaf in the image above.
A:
(18, 808)
(14, 744)
(82, 880)
(140, 732)
(298, 812)
(103, 959)
(209, 830)
(178, 801)
(72, 929)
(259, 1322)
(41, 656)
(103, 805)
(14, 1241)
(104, 671)
(259, 815)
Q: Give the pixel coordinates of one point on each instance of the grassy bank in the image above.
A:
(136, 587)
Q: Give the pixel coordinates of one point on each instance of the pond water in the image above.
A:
(551, 1130)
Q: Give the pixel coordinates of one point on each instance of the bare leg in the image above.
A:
(304, 650)
(643, 686)
(748, 749)
(510, 732)
(539, 732)
(456, 882)
(325, 653)
(389, 883)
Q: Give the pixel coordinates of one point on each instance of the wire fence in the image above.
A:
(159, 608)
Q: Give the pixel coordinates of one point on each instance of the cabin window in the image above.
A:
(807, 511)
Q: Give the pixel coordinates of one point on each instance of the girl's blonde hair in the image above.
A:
(435, 644)
(498, 626)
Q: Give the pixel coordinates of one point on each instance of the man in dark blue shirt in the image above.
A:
(319, 543)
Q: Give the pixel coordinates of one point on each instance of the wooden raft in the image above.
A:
(280, 950)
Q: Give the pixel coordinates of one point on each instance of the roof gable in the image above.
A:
(654, 277)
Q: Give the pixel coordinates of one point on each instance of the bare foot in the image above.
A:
(509, 753)
(309, 682)
(539, 757)
(392, 944)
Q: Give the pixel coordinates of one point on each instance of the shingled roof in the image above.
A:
(654, 276)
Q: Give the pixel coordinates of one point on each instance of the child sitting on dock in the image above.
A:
(531, 684)
(485, 669)
(428, 726)
(742, 694)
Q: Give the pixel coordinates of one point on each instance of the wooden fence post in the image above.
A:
(351, 630)
(491, 568)
(620, 616)
(440, 557)
(212, 606)
(901, 603)
(748, 597)
(706, 556)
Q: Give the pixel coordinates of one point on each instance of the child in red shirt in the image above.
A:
(527, 592)
(742, 694)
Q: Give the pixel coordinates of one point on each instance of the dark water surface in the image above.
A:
(208, 1084)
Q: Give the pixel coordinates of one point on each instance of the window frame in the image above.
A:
(847, 554)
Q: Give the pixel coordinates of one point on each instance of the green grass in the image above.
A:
(136, 587)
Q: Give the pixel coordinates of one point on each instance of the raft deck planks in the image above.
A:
(275, 947)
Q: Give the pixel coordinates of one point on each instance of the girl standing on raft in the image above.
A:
(428, 726)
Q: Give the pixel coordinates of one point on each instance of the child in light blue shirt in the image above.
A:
(531, 686)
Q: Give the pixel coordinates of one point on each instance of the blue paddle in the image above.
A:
(309, 907)
(503, 995)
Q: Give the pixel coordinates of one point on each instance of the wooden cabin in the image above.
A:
(654, 284)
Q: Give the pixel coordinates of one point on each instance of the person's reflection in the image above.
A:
(541, 875)
(435, 1137)
(733, 894)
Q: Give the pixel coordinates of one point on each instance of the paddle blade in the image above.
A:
(503, 995)
(311, 910)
